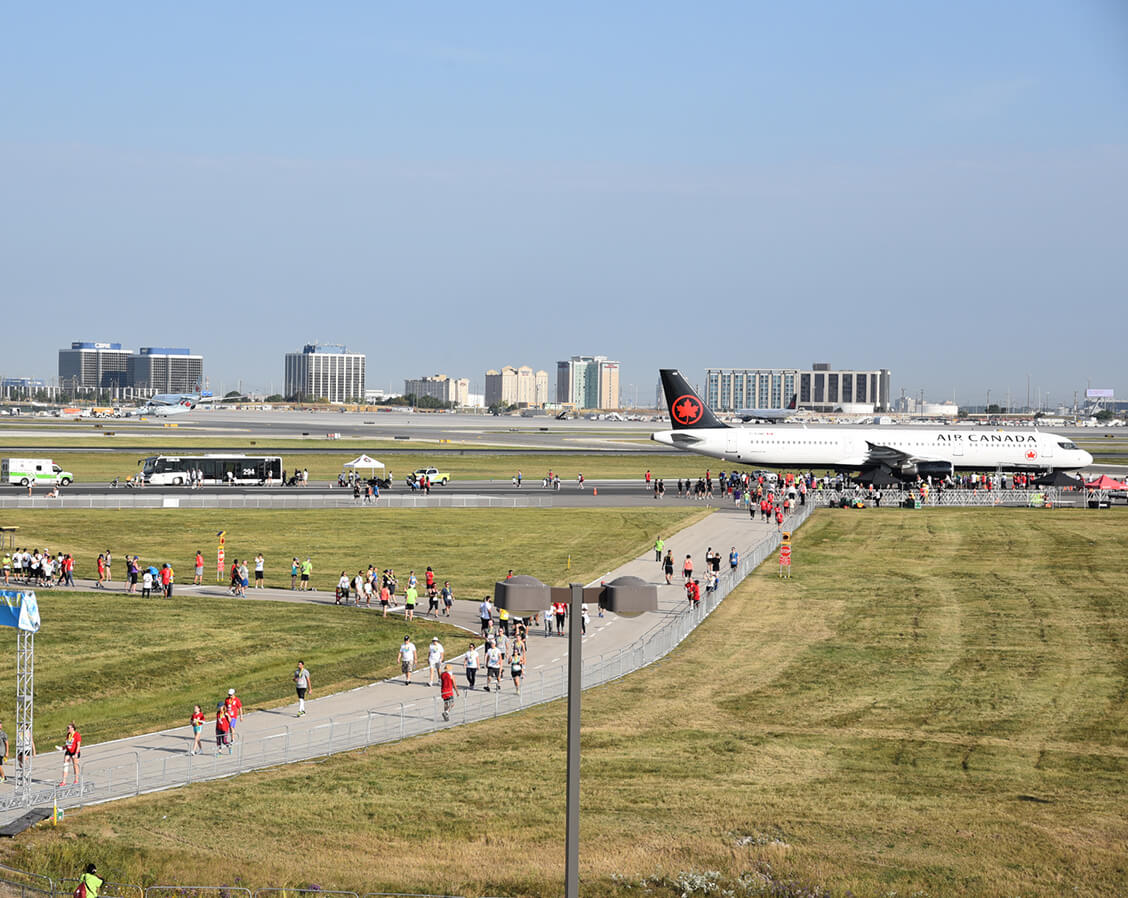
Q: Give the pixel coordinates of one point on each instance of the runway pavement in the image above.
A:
(389, 709)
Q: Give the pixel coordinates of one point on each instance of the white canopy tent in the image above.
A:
(364, 461)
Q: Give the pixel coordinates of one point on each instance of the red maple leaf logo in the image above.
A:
(1030, 453)
(687, 410)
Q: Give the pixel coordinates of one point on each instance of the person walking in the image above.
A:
(485, 614)
(234, 707)
(516, 665)
(668, 566)
(493, 666)
(447, 595)
(407, 657)
(294, 570)
(410, 597)
(198, 578)
(471, 665)
(3, 752)
(72, 751)
(659, 543)
(734, 558)
(197, 729)
(687, 568)
(435, 658)
(448, 689)
(302, 684)
(306, 570)
(385, 597)
(222, 729)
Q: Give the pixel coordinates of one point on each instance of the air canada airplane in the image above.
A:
(165, 404)
(906, 452)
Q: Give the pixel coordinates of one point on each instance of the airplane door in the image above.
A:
(957, 447)
(1046, 447)
(730, 445)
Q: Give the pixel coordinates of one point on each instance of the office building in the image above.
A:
(588, 381)
(522, 386)
(820, 388)
(323, 371)
(94, 366)
(160, 369)
(441, 387)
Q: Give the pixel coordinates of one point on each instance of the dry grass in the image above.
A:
(936, 705)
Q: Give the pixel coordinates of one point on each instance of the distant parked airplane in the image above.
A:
(768, 414)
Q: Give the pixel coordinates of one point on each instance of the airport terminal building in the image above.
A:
(324, 371)
(820, 388)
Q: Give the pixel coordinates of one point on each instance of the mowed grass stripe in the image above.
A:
(893, 720)
(471, 547)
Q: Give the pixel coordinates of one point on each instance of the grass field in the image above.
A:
(121, 665)
(935, 706)
(472, 547)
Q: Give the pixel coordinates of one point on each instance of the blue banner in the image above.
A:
(20, 609)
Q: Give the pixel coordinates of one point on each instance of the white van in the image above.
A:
(26, 471)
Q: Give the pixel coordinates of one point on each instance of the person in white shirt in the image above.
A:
(407, 659)
(493, 666)
(471, 665)
(343, 588)
(435, 658)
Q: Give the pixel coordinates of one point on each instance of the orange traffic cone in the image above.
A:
(595, 491)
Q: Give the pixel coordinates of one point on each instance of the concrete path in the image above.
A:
(389, 709)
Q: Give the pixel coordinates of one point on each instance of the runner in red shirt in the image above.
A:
(197, 729)
(234, 709)
(448, 689)
(72, 751)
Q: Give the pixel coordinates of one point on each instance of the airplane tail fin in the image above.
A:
(687, 411)
(794, 403)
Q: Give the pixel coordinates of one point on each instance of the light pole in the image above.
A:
(625, 596)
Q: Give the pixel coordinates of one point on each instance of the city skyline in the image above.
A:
(633, 391)
(939, 190)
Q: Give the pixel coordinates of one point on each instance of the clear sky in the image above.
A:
(940, 188)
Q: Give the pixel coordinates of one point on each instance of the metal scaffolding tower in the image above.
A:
(25, 706)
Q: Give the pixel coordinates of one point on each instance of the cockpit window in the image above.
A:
(1068, 444)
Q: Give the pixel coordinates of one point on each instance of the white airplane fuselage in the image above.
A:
(853, 447)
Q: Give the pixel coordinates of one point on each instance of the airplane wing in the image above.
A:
(879, 454)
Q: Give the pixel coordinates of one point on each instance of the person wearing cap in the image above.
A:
(90, 882)
(407, 657)
(448, 689)
(234, 708)
(435, 658)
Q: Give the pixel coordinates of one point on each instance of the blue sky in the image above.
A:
(936, 188)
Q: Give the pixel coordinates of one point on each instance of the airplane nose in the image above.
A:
(1086, 459)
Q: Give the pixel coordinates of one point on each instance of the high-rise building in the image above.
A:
(588, 381)
(161, 369)
(516, 386)
(817, 389)
(441, 387)
(324, 371)
(96, 366)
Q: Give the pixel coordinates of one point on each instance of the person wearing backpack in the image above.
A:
(89, 884)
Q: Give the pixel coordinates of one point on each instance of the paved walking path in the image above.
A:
(389, 709)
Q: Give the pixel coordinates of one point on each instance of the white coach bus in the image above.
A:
(179, 470)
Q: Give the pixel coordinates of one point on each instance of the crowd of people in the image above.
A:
(40, 568)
